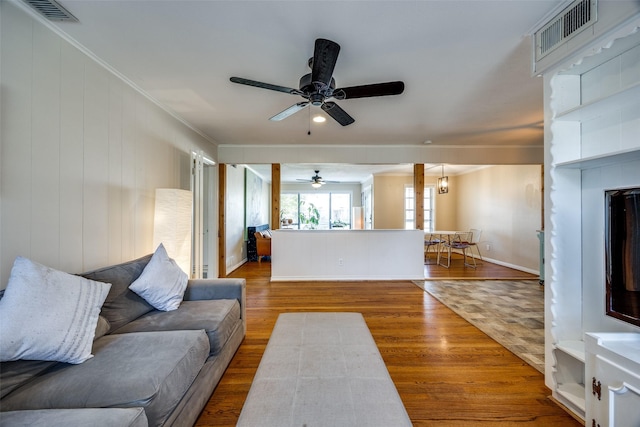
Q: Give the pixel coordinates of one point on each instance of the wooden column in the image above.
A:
(418, 188)
(275, 196)
(222, 196)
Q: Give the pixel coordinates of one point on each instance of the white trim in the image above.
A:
(342, 279)
(513, 266)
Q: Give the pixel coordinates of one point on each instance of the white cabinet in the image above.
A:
(592, 123)
(613, 373)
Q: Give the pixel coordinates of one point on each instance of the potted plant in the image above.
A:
(309, 215)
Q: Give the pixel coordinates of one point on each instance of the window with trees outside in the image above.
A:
(315, 211)
(410, 207)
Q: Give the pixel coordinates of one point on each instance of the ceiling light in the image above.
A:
(316, 184)
(443, 183)
(319, 119)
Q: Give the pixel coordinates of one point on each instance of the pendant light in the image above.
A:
(443, 183)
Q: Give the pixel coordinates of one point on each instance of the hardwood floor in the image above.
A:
(484, 270)
(448, 372)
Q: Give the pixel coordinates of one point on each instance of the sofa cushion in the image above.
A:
(122, 305)
(17, 373)
(162, 282)
(217, 317)
(102, 328)
(46, 314)
(102, 417)
(148, 369)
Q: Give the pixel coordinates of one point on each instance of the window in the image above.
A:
(316, 211)
(410, 207)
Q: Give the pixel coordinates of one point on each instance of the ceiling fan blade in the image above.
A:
(337, 113)
(289, 111)
(367, 91)
(262, 85)
(325, 56)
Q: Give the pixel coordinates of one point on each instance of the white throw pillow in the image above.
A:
(162, 283)
(47, 314)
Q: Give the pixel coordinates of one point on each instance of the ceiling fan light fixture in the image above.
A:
(319, 86)
(319, 119)
(316, 184)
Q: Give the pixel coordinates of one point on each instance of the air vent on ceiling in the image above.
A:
(576, 17)
(52, 10)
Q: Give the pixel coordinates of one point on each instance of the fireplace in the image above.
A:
(622, 251)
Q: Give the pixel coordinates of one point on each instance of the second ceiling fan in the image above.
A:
(317, 181)
(319, 86)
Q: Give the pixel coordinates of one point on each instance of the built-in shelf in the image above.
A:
(601, 160)
(574, 349)
(616, 101)
(596, 149)
(574, 393)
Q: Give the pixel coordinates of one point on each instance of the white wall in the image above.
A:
(505, 202)
(82, 154)
(234, 218)
(388, 202)
(347, 255)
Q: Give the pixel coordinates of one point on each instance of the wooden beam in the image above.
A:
(222, 196)
(418, 188)
(275, 196)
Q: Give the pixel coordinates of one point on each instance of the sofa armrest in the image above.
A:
(228, 288)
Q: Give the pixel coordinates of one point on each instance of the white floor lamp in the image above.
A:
(172, 224)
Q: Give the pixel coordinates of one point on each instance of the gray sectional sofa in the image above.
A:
(149, 367)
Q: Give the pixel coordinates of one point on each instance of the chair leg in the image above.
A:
(448, 258)
(464, 254)
(478, 250)
(430, 248)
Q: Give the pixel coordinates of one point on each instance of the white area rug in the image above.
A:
(322, 369)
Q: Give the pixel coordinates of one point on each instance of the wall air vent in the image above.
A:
(576, 17)
(52, 10)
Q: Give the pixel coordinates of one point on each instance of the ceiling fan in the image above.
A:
(317, 181)
(319, 86)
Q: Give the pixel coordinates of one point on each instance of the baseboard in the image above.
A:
(506, 264)
(513, 266)
(341, 279)
(237, 266)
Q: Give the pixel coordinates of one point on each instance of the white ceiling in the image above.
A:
(466, 65)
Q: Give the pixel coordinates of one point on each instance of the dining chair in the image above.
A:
(431, 244)
(461, 243)
(474, 241)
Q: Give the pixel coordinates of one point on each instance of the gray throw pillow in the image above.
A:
(122, 305)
